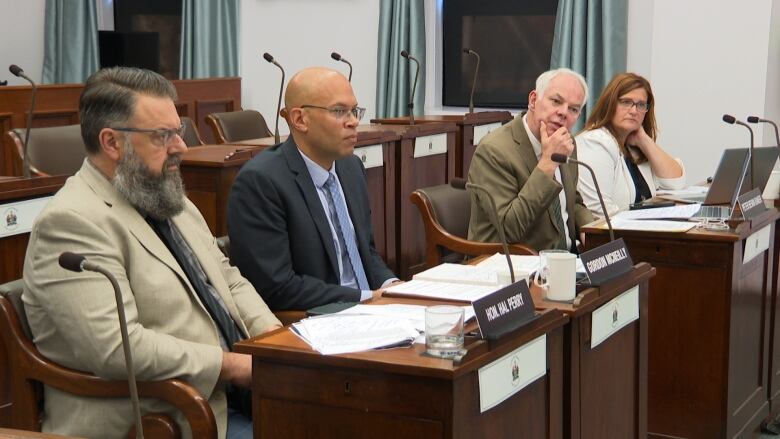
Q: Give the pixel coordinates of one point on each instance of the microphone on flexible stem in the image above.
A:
(338, 57)
(733, 120)
(17, 71)
(267, 56)
(460, 183)
(78, 263)
(473, 84)
(406, 55)
(756, 119)
(561, 158)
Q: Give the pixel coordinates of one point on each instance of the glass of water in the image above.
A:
(444, 331)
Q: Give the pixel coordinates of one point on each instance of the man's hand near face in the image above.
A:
(560, 142)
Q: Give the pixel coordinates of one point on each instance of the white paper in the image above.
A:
(651, 225)
(682, 211)
(688, 191)
(442, 290)
(342, 333)
(414, 313)
(459, 273)
(527, 263)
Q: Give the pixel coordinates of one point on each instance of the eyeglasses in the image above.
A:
(340, 112)
(160, 137)
(642, 107)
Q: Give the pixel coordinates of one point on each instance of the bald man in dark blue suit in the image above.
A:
(298, 213)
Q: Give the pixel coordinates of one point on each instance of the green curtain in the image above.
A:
(590, 38)
(70, 52)
(209, 38)
(401, 27)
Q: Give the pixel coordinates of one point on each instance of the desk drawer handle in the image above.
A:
(347, 388)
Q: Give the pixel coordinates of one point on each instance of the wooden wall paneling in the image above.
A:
(7, 148)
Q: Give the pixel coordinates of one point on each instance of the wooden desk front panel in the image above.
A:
(774, 329)
(708, 342)
(415, 173)
(208, 189)
(381, 183)
(315, 401)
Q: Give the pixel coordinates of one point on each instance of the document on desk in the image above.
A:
(526, 263)
(414, 313)
(441, 290)
(461, 274)
(650, 225)
(682, 211)
(690, 190)
(338, 333)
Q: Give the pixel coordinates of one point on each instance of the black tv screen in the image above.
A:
(130, 49)
(514, 40)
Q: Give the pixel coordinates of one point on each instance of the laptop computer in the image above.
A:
(734, 171)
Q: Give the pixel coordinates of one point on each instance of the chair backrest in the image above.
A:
(191, 135)
(451, 208)
(445, 214)
(52, 150)
(238, 125)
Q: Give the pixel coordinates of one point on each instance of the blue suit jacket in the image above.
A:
(279, 234)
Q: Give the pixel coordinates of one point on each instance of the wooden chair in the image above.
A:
(445, 213)
(53, 150)
(28, 369)
(191, 135)
(238, 125)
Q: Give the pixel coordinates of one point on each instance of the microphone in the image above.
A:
(406, 55)
(561, 158)
(267, 56)
(733, 120)
(78, 263)
(460, 183)
(338, 57)
(756, 119)
(17, 71)
(473, 84)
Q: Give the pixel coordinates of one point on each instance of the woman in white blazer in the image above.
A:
(619, 144)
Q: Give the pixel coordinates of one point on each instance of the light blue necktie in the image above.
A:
(345, 233)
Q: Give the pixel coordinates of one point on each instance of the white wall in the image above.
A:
(704, 58)
(302, 33)
(21, 34)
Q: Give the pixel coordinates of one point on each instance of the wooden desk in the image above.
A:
(414, 169)
(459, 162)
(773, 389)
(13, 249)
(709, 338)
(605, 387)
(298, 392)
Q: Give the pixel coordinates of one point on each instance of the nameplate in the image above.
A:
(505, 310)
(751, 204)
(430, 145)
(370, 155)
(607, 262)
(756, 243)
(612, 317)
(481, 131)
(509, 374)
(18, 217)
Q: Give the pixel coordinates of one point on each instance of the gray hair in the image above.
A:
(109, 98)
(544, 80)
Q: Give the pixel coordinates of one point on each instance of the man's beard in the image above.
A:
(158, 196)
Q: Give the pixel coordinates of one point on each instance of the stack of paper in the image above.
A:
(650, 225)
(343, 333)
(526, 263)
(462, 274)
(683, 211)
(442, 290)
(414, 313)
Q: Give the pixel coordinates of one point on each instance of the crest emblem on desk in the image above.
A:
(11, 220)
(614, 314)
(515, 371)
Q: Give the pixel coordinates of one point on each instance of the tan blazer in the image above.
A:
(505, 164)
(73, 315)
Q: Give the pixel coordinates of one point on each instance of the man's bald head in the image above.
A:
(310, 85)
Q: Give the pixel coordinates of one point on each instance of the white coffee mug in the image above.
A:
(557, 274)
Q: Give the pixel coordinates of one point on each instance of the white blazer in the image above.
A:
(599, 149)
